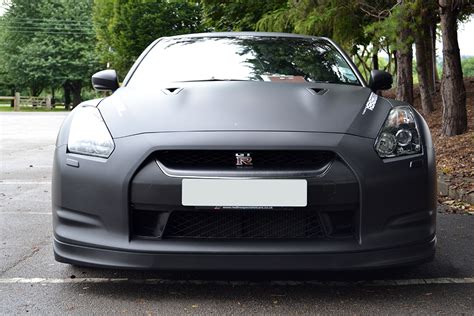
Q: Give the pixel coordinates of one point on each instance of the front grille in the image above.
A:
(261, 159)
(244, 224)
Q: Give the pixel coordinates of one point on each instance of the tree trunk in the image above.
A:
(395, 65)
(388, 67)
(76, 87)
(431, 47)
(429, 58)
(67, 95)
(405, 68)
(423, 63)
(12, 102)
(423, 78)
(453, 91)
(35, 90)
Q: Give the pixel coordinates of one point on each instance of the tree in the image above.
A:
(5, 83)
(424, 52)
(237, 15)
(453, 91)
(394, 27)
(362, 27)
(103, 13)
(14, 36)
(126, 27)
(331, 18)
(404, 53)
(49, 43)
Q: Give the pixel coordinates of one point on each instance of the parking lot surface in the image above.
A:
(32, 282)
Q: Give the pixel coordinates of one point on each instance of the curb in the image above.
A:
(445, 188)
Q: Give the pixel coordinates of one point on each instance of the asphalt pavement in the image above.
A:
(32, 282)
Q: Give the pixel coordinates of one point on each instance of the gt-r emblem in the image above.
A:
(243, 159)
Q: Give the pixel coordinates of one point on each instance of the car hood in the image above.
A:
(244, 106)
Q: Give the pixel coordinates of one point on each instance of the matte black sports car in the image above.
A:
(257, 151)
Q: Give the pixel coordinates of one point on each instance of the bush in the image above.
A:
(468, 66)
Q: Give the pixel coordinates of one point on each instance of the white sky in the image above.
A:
(3, 5)
(466, 37)
(465, 34)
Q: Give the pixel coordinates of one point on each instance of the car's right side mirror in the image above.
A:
(105, 80)
(380, 80)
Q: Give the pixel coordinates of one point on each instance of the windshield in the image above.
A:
(275, 59)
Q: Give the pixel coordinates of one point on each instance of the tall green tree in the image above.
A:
(237, 15)
(126, 27)
(346, 22)
(103, 13)
(15, 34)
(425, 16)
(49, 44)
(453, 91)
(332, 18)
(404, 43)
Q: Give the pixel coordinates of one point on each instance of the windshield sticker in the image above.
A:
(370, 105)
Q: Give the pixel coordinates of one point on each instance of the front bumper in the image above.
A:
(382, 258)
(395, 206)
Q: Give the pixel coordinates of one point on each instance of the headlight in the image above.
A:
(399, 135)
(88, 134)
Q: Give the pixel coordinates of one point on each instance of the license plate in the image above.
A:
(244, 192)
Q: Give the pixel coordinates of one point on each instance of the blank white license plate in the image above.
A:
(243, 192)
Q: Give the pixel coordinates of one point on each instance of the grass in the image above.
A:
(7, 108)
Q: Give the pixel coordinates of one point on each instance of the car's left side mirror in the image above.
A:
(380, 80)
(105, 80)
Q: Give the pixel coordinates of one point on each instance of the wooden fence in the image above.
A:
(19, 100)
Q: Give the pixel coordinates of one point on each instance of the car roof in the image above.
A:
(240, 34)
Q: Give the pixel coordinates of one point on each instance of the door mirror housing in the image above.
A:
(380, 80)
(105, 80)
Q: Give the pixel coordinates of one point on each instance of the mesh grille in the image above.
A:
(244, 224)
(263, 159)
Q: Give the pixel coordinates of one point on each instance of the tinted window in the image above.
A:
(281, 59)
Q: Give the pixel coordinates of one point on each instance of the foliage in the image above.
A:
(467, 65)
(5, 83)
(403, 15)
(237, 15)
(331, 18)
(126, 27)
(361, 27)
(103, 13)
(52, 43)
(46, 43)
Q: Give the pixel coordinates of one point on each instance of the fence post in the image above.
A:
(48, 102)
(16, 102)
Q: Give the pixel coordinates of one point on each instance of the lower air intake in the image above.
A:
(248, 224)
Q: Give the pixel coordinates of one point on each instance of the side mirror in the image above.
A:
(380, 80)
(105, 80)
